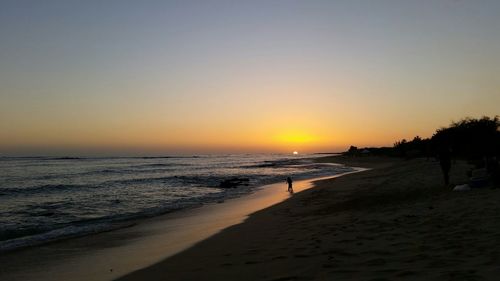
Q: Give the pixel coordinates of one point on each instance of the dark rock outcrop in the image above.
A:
(234, 182)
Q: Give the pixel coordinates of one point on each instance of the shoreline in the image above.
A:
(394, 222)
(33, 234)
(141, 244)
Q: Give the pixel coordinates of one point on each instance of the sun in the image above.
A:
(295, 153)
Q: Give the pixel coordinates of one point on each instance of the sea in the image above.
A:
(43, 199)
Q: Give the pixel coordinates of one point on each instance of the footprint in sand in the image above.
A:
(375, 262)
(278, 258)
(253, 251)
(302, 256)
(286, 278)
(406, 273)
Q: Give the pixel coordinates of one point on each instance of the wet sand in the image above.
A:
(106, 256)
(395, 222)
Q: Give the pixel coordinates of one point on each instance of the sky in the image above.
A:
(180, 77)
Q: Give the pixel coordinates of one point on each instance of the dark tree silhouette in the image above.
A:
(470, 138)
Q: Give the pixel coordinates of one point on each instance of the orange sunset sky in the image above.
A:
(176, 77)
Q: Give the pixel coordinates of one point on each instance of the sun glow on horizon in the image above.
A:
(295, 137)
(278, 80)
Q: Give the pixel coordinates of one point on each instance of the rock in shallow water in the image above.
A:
(234, 182)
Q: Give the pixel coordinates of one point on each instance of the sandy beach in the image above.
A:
(394, 222)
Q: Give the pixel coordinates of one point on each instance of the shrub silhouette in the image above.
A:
(468, 138)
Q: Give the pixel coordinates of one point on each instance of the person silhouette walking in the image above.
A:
(445, 163)
(289, 182)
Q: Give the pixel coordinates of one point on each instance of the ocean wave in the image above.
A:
(14, 232)
(280, 163)
(46, 188)
(37, 238)
(14, 237)
(153, 165)
(65, 158)
(126, 189)
(188, 180)
(109, 171)
(159, 165)
(263, 165)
